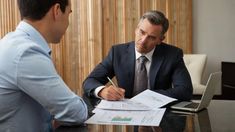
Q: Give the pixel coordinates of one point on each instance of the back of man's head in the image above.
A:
(37, 9)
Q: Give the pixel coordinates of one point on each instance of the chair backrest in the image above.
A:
(195, 64)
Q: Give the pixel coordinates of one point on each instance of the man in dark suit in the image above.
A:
(165, 68)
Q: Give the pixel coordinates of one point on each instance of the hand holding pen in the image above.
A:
(112, 82)
(112, 92)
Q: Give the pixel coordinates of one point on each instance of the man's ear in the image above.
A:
(162, 38)
(56, 11)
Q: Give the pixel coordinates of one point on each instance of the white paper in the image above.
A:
(141, 118)
(143, 109)
(125, 104)
(152, 99)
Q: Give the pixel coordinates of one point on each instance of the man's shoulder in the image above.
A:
(14, 42)
(124, 45)
(17, 44)
(169, 46)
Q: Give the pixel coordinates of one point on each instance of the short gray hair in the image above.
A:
(157, 18)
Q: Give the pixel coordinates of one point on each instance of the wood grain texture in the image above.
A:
(96, 25)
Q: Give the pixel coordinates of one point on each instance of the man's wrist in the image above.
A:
(97, 90)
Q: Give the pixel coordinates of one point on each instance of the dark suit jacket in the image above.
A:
(168, 74)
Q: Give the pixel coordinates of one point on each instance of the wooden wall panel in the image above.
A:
(91, 46)
(179, 13)
(9, 16)
(96, 25)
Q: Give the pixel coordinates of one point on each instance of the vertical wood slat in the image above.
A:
(8, 21)
(180, 19)
(130, 19)
(109, 24)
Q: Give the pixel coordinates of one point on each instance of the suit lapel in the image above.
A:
(129, 60)
(157, 60)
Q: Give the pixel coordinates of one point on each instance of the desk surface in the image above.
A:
(218, 117)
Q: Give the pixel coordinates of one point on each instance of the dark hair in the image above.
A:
(37, 9)
(157, 18)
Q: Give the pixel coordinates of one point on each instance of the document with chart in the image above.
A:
(113, 117)
(143, 109)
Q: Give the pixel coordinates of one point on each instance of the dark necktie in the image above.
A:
(141, 78)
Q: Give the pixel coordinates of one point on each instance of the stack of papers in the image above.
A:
(143, 109)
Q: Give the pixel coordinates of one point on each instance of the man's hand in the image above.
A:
(112, 93)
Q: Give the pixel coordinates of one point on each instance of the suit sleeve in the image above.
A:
(98, 77)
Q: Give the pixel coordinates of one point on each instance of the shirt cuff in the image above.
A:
(97, 90)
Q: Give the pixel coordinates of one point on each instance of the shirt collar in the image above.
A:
(147, 55)
(34, 35)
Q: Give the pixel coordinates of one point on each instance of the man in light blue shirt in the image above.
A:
(32, 94)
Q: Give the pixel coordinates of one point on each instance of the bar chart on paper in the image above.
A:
(146, 118)
(121, 119)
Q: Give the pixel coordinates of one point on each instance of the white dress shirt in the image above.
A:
(147, 65)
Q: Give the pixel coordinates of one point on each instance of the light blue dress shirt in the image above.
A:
(31, 91)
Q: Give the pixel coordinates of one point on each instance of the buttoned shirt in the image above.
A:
(147, 65)
(31, 91)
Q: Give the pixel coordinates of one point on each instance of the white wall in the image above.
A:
(214, 32)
